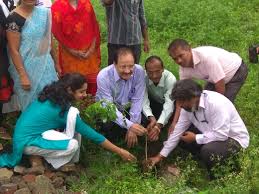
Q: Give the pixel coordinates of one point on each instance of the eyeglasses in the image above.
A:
(202, 121)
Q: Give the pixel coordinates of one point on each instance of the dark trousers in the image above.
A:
(213, 153)
(234, 85)
(112, 48)
(156, 108)
(112, 131)
(155, 146)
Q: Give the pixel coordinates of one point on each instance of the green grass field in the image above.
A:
(231, 24)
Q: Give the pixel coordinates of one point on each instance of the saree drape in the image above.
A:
(35, 48)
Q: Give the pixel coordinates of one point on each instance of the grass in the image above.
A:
(232, 25)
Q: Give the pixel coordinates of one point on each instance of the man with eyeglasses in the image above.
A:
(158, 107)
(220, 132)
(123, 84)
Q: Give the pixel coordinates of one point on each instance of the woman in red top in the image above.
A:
(75, 27)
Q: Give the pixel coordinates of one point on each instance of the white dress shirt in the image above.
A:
(161, 94)
(216, 118)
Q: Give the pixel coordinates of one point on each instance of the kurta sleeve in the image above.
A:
(168, 106)
(88, 132)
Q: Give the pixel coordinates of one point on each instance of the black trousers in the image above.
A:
(213, 153)
(156, 108)
(234, 85)
(112, 48)
(156, 146)
(112, 131)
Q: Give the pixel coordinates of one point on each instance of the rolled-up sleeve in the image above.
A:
(174, 138)
(146, 105)
(168, 106)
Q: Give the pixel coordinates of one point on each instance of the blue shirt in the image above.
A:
(122, 92)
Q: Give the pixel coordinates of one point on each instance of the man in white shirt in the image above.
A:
(157, 106)
(224, 71)
(222, 132)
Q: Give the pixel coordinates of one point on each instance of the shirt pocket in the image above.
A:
(132, 92)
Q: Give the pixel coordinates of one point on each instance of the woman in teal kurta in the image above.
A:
(50, 112)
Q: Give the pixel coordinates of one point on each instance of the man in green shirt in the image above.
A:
(157, 106)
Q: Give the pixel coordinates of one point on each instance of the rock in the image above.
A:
(5, 181)
(16, 179)
(1, 147)
(61, 191)
(71, 179)
(22, 185)
(61, 174)
(28, 178)
(19, 169)
(19, 181)
(58, 182)
(5, 175)
(9, 188)
(23, 191)
(170, 173)
(37, 170)
(31, 185)
(42, 185)
(49, 174)
(173, 170)
(70, 167)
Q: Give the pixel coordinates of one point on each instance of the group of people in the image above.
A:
(205, 122)
(52, 51)
(148, 100)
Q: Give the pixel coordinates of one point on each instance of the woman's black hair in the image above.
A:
(185, 90)
(57, 92)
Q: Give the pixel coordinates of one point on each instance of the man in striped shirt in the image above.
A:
(126, 27)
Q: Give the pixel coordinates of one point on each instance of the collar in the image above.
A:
(161, 81)
(202, 100)
(195, 58)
